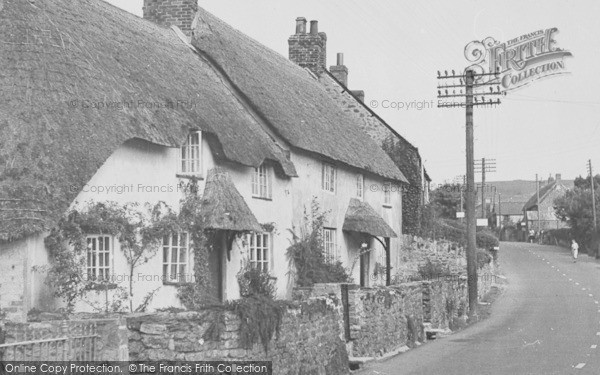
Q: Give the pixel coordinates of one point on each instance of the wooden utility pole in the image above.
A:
(500, 210)
(593, 193)
(537, 192)
(471, 192)
(471, 196)
(484, 166)
(483, 215)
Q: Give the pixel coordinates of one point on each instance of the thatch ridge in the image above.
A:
(223, 207)
(295, 105)
(57, 57)
(362, 218)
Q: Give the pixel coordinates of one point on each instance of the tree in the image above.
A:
(575, 208)
(445, 200)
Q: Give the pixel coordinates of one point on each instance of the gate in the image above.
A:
(80, 345)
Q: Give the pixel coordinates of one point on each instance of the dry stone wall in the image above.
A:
(309, 341)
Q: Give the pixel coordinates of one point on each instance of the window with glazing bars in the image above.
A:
(175, 257)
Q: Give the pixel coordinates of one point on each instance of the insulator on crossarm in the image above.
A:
(446, 73)
(491, 90)
(453, 72)
(439, 74)
(446, 91)
(460, 80)
(439, 92)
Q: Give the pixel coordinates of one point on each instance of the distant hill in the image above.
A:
(518, 190)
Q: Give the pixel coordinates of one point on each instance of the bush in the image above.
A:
(483, 258)
(555, 236)
(255, 282)
(431, 270)
(307, 253)
(456, 231)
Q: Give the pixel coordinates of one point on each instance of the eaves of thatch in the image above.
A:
(362, 218)
(531, 204)
(223, 207)
(289, 99)
(59, 59)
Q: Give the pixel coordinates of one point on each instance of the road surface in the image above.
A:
(546, 322)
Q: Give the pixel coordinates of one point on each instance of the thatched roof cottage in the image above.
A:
(99, 105)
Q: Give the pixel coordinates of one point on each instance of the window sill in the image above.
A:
(387, 206)
(176, 283)
(101, 286)
(262, 198)
(190, 176)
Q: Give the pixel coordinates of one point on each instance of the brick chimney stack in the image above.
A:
(178, 13)
(309, 50)
(340, 71)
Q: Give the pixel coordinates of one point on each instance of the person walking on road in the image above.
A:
(574, 250)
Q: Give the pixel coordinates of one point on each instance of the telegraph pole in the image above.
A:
(537, 192)
(593, 193)
(471, 193)
(500, 210)
(483, 166)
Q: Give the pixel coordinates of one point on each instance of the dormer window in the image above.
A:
(191, 155)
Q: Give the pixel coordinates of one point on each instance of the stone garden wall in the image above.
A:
(415, 252)
(310, 339)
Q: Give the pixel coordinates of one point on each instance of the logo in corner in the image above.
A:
(518, 61)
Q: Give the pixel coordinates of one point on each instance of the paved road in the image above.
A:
(546, 322)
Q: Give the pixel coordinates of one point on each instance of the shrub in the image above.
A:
(307, 253)
(431, 270)
(456, 231)
(554, 236)
(483, 258)
(255, 282)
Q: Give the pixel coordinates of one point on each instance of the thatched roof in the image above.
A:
(531, 204)
(291, 101)
(57, 58)
(362, 218)
(223, 207)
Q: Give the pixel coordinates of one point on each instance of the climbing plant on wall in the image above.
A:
(307, 253)
(139, 230)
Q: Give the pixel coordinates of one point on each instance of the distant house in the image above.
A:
(547, 219)
(102, 106)
(308, 48)
(509, 212)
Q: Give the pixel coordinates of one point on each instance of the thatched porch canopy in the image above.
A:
(362, 218)
(223, 207)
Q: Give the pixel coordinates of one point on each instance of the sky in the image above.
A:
(394, 48)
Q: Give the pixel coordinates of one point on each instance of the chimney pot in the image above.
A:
(558, 176)
(314, 27)
(300, 25)
(340, 59)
